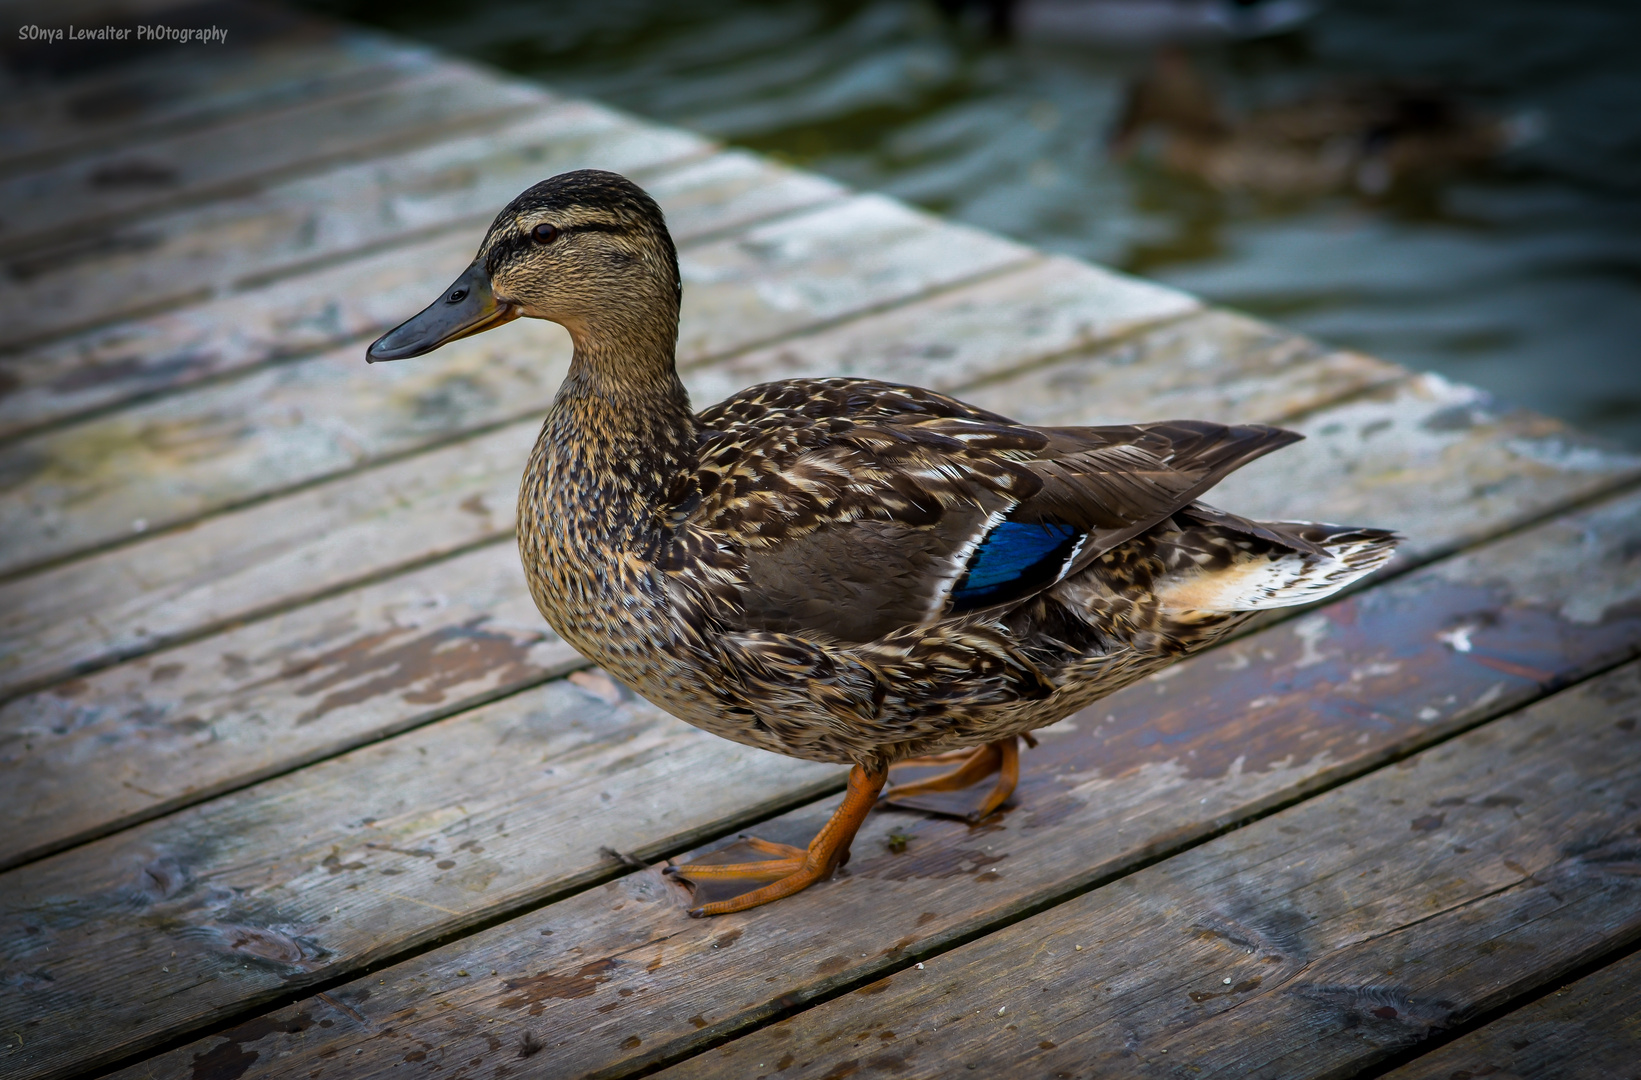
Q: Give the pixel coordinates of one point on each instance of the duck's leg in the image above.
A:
(794, 869)
(1001, 757)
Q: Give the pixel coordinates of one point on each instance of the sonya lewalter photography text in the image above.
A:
(205, 35)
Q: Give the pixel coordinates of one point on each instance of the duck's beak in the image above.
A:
(467, 307)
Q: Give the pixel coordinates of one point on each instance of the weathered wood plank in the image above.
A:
(132, 600)
(183, 725)
(1226, 734)
(1310, 944)
(1440, 461)
(187, 254)
(391, 844)
(164, 462)
(1174, 370)
(154, 97)
(356, 298)
(969, 334)
(1589, 1030)
(94, 191)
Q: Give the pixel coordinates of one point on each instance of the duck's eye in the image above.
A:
(545, 233)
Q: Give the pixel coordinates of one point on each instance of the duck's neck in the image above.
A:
(618, 434)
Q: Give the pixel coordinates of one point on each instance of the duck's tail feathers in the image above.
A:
(1271, 564)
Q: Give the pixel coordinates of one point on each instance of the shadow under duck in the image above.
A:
(848, 570)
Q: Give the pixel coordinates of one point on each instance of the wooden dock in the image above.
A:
(298, 784)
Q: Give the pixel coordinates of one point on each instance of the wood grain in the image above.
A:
(142, 739)
(90, 192)
(1179, 370)
(1441, 462)
(355, 299)
(238, 566)
(358, 857)
(1310, 944)
(625, 980)
(229, 244)
(972, 333)
(161, 463)
(1588, 1030)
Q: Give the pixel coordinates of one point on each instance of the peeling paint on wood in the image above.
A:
(1222, 735)
(1435, 460)
(188, 723)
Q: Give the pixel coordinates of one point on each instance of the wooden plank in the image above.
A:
(191, 253)
(1439, 461)
(154, 97)
(617, 979)
(1311, 944)
(1589, 1030)
(97, 190)
(354, 299)
(1176, 371)
(162, 463)
(186, 724)
(165, 589)
(973, 333)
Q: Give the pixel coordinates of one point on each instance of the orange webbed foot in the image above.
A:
(1001, 757)
(788, 869)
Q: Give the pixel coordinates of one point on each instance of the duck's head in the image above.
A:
(588, 249)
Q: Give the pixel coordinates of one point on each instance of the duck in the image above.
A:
(848, 570)
(1129, 23)
(1365, 137)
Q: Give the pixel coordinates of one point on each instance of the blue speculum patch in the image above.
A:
(1015, 557)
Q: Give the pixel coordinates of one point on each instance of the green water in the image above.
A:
(1522, 276)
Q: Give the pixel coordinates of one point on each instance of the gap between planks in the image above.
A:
(1584, 1026)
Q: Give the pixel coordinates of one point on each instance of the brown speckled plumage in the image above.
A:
(827, 568)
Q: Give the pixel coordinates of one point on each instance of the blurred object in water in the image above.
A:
(1130, 23)
(1366, 137)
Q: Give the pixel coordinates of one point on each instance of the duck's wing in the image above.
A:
(852, 508)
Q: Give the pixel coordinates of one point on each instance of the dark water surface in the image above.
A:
(1522, 275)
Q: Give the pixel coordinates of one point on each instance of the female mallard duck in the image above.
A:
(847, 570)
(1366, 137)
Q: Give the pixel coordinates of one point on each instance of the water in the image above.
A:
(1522, 276)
